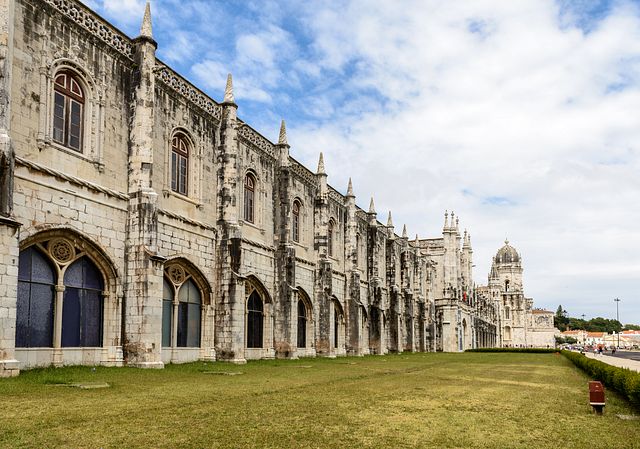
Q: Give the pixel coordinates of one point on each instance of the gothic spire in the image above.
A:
(446, 219)
(389, 221)
(404, 232)
(282, 137)
(146, 28)
(350, 189)
(372, 207)
(320, 170)
(228, 90)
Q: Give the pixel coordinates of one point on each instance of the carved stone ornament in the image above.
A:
(62, 250)
(176, 274)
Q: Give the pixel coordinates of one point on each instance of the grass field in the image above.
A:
(409, 400)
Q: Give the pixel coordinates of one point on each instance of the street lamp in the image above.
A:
(617, 301)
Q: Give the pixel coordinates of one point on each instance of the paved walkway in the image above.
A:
(633, 365)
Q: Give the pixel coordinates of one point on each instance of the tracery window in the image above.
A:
(76, 284)
(255, 321)
(295, 225)
(180, 164)
(249, 198)
(181, 309)
(68, 111)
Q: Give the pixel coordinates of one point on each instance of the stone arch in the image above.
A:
(97, 254)
(305, 323)
(338, 328)
(198, 277)
(258, 319)
(78, 298)
(252, 282)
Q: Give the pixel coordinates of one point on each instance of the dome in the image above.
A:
(507, 254)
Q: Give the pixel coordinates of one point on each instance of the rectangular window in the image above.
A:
(71, 318)
(75, 125)
(174, 171)
(182, 324)
(167, 312)
(183, 176)
(193, 332)
(58, 118)
(91, 325)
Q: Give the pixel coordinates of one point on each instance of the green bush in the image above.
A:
(622, 380)
(529, 350)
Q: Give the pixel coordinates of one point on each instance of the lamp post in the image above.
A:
(617, 301)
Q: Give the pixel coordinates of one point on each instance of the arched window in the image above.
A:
(255, 321)
(506, 285)
(82, 305)
(302, 324)
(180, 164)
(249, 197)
(181, 309)
(68, 111)
(36, 295)
(56, 274)
(330, 238)
(295, 226)
(506, 313)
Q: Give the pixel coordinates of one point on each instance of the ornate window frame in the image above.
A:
(177, 274)
(93, 120)
(193, 192)
(250, 176)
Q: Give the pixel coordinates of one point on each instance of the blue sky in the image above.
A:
(523, 117)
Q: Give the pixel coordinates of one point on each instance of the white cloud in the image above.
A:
(523, 122)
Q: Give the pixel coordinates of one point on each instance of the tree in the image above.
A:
(600, 324)
(631, 327)
(560, 320)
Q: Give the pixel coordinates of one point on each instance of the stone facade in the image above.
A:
(519, 323)
(142, 222)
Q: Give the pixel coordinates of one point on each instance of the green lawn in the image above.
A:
(409, 400)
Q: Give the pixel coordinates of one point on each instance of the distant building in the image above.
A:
(520, 325)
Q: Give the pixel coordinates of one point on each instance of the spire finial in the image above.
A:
(372, 207)
(417, 240)
(457, 222)
(282, 137)
(228, 90)
(389, 221)
(350, 188)
(506, 241)
(320, 170)
(446, 219)
(146, 28)
(404, 232)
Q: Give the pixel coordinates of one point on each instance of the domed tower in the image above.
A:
(505, 280)
(507, 268)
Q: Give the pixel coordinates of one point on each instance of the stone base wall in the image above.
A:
(9, 366)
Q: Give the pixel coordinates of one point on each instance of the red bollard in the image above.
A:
(596, 396)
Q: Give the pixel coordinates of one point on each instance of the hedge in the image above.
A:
(529, 350)
(622, 380)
